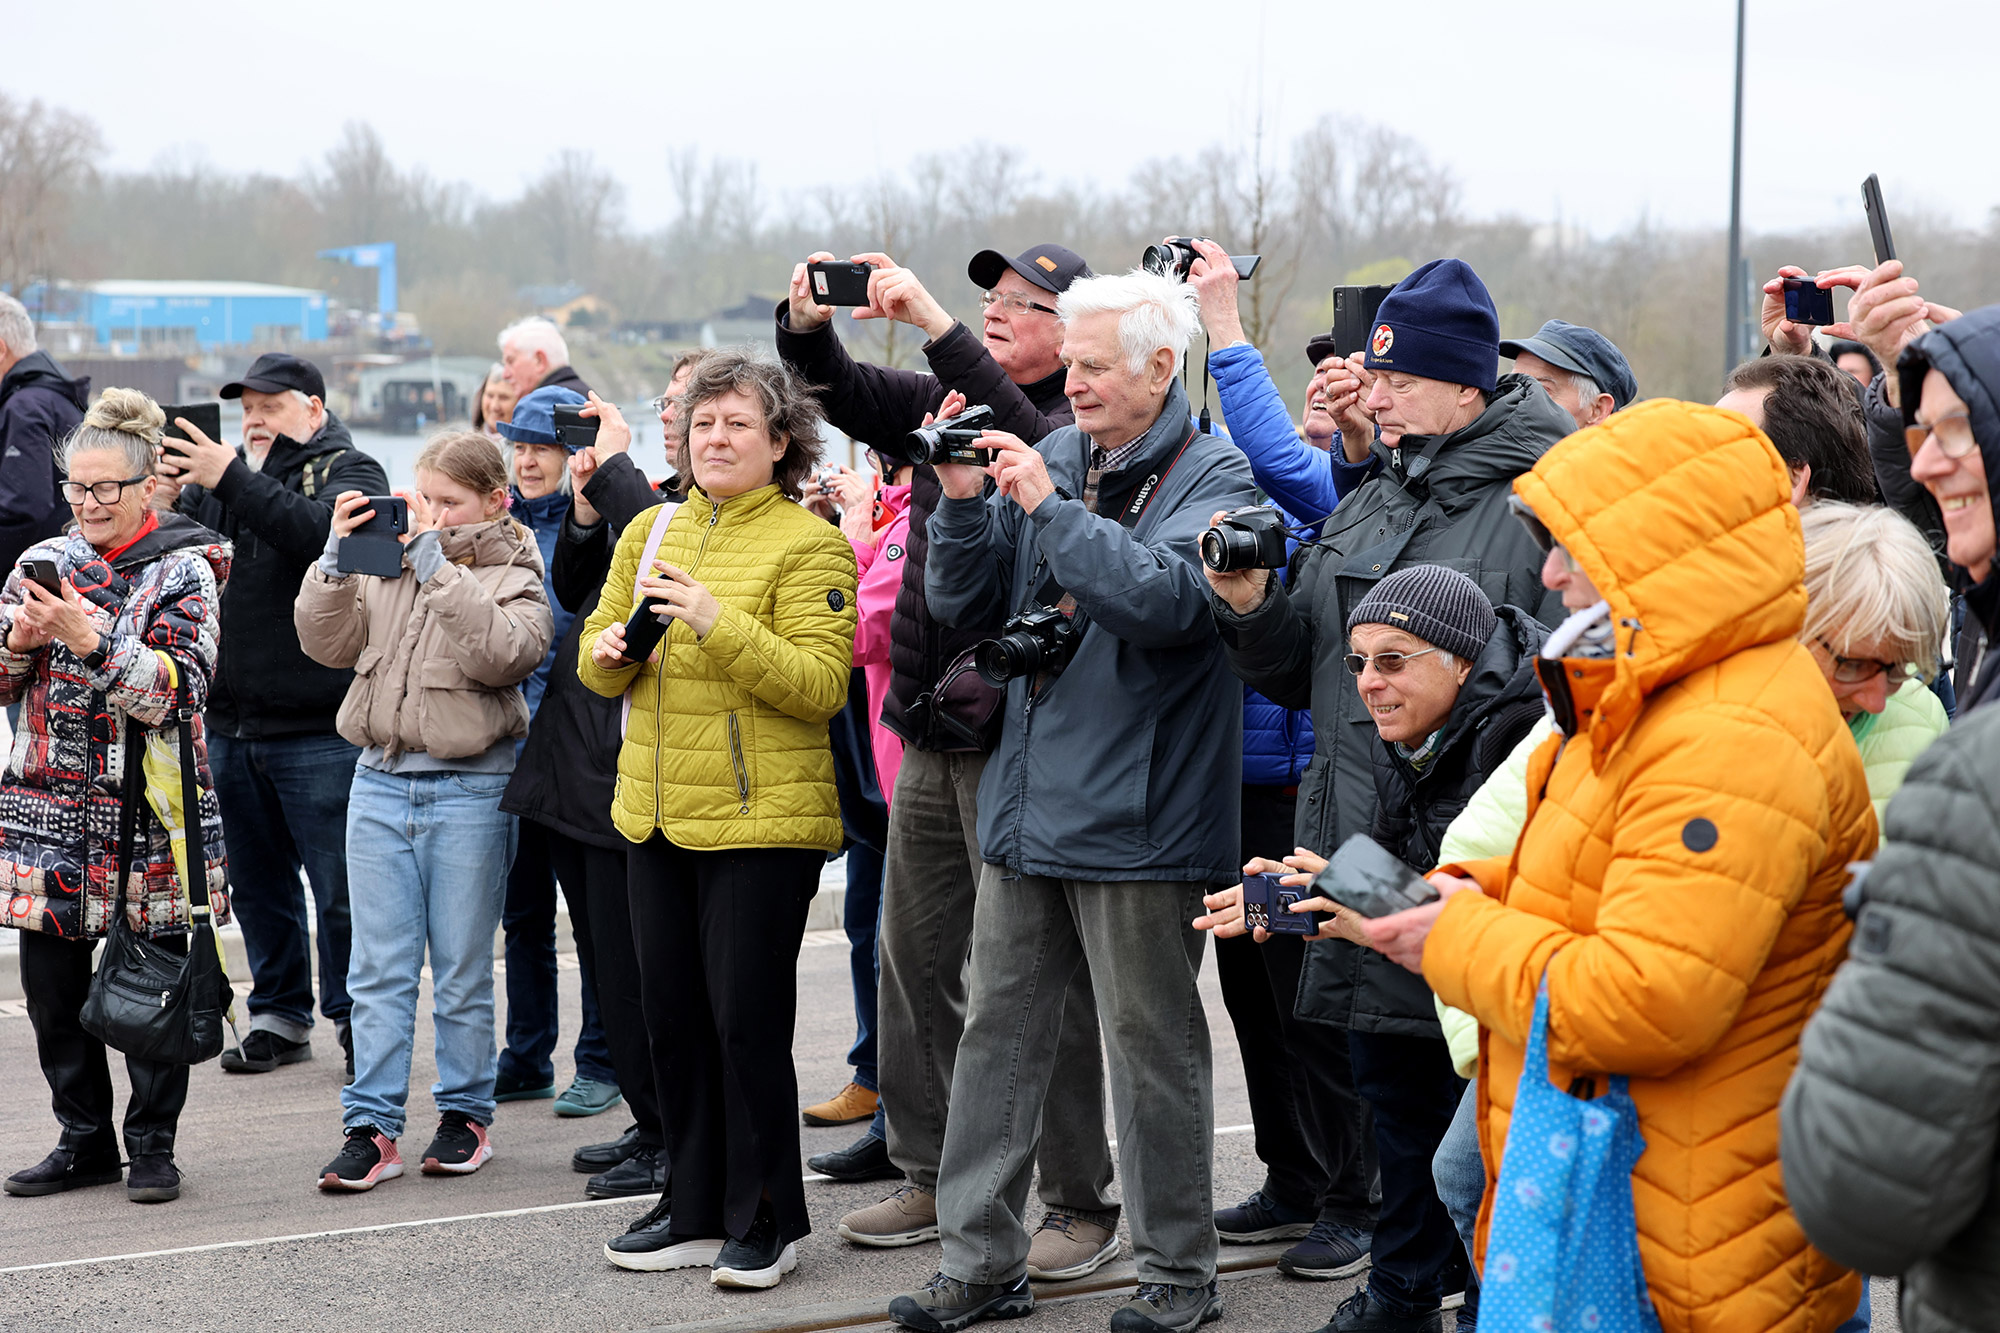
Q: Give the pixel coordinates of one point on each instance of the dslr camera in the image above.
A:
(954, 440)
(1173, 257)
(1038, 639)
(1249, 538)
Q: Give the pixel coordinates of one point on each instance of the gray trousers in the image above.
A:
(928, 886)
(1034, 936)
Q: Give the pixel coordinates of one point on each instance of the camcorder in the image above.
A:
(1173, 257)
(1268, 903)
(1365, 877)
(574, 430)
(1806, 302)
(1249, 538)
(954, 440)
(1354, 311)
(1038, 639)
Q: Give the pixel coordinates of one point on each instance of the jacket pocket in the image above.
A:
(742, 768)
(352, 719)
(457, 717)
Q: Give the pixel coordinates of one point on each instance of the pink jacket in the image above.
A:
(881, 579)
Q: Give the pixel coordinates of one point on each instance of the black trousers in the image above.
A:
(594, 881)
(1410, 1084)
(718, 935)
(1312, 1129)
(55, 977)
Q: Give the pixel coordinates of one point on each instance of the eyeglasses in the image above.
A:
(1857, 670)
(104, 492)
(659, 404)
(1953, 434)
(1012, 302)
(1387, 664)
(1539, 533)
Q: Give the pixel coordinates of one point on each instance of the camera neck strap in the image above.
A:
(1128, 518)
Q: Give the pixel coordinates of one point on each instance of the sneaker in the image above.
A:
(1066, 1247)
(592, 1158)
(508, 1088)
(1160, 1308)
(906, 1217)
(649, 1245)
(153, 1179)
(1261, 1217)
(1362, 1313)
(644, 1172)
(368, 1156)
(850, 1104)
(68, 1169)
(867, 1158)
(459, 1148)
(757, 1261)
(946, 1305)
(262, 1051)
(587, 1096)
(1330, 1250)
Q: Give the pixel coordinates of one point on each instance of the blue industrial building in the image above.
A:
(131, 315)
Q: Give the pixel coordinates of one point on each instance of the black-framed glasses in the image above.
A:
(104, 492)
(1859, 670)
(1386, 664)
(1013, 303)
(1953, 435)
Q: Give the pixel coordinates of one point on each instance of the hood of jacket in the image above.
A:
(40, 370)
(1681, 515)
(176, 532)
(288, 453)
(496, 541)
(1516, 428)
(1503, 674)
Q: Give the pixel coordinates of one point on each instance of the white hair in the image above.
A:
(16, 329)
(536, 334)
(1153, 311)
(1586, 389)
(1871, 578)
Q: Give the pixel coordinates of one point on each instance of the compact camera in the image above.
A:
(954, 440)
(1249, 538)
(1268, 903)
(1173, 257)
(1038, 639)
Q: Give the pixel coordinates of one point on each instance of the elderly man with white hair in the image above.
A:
(39, 405)
(534, 356)
(1108, 809)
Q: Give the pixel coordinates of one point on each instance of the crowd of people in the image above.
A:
(1632, 689)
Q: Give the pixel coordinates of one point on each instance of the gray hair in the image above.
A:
(122, 419)
(1153, 310)
(536, 334)
(16, 329)
(1586, 388)
(1871, 578)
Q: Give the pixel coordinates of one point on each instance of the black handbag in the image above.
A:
(961, 713)
(148, 1001)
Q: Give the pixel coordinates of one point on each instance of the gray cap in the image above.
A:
(1441, 606)
(1581, 351)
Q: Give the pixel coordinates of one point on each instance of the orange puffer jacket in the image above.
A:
(1681, 869)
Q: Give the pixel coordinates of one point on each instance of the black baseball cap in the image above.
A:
(1581, 351)
(1050, 267)
(275, 372)
(1319, 347)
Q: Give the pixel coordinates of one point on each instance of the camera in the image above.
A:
(573, 429)
(954, 440)
(1806, 302)
(1173, 257)
(1038, 639)
(838, 282)
(1249, 538)
(1268, 903)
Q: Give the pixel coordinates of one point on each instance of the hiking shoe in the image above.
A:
(508, 1088)
(867, 1158)
(1362, 1313)
(592, 1158)
(757, 1261)
(67, 1169)
(649, 1245)
(1261, 1217)
(946, 1305)
(153, 1179)
(262, 1051)
(1066, 1247)
(587, 1096)
(459, 1148)
(368, 1156)
(1330, 1250)
(1161, 1308)
(906, 1217)
(644, 1172)
(850, 1104)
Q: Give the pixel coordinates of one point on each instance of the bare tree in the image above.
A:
(46, 154)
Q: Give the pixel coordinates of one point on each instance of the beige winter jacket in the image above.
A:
(436, 664)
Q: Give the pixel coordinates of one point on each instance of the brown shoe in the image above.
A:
(907, 1217)
(1066, 1247)
(850, 1104)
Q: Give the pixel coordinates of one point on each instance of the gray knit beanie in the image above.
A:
(1441, 606)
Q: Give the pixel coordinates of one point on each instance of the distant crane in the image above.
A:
(381, 257)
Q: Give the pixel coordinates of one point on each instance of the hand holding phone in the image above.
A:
(371, 529)
(45, 575)
(838, 282)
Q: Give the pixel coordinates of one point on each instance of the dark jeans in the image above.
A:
(528, 920)
(861, 916)
(1312, 1129)
(1409, 1084)
(284, 805)
(55, 978)
(718, 934)
(597, 875)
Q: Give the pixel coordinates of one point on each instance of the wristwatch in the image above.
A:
(96, 657)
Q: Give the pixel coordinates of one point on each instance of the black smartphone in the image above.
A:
(644, 631)
(207, 418)
(1806, 302)
(1365, 877)
(44, 573)
(838, 282)
(372, 548)
(1878, 219)
(1354, 311)
(574, 430)
(1268, 903)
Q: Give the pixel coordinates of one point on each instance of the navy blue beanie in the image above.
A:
(1439, 323)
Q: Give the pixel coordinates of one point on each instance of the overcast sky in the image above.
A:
(1600, 112)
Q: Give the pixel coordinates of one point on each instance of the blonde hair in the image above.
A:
(468, 458)
(122, 419)
(1872, 578)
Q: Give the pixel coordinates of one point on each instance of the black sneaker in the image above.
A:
(153, 1179)
(1259, 1218)
(507, 1088)
(592, 1158)
(1160, 1308)
(1362, 1313)
(367, 1158)
(758, 1260)
(68, 1169)
(644, 1172)
(946, 1305)
(262, 1051)
(867, 1158)
(649, 1245)
(1330, 1250)
(459, 1148)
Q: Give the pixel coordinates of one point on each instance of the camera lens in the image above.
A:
(1228, 548)
(1001, 660)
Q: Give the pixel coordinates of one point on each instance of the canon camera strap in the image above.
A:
(1128, 518)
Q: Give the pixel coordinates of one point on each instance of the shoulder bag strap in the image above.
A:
(197, 855)
(131, 795)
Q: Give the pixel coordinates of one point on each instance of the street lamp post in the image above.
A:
(1732, 344)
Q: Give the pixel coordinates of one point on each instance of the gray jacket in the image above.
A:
(1890, 1123)
(1128, 765)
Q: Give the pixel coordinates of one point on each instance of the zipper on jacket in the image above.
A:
(659, 684)
(742, 769)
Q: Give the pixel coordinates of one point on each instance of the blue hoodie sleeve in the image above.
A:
(1303, 481)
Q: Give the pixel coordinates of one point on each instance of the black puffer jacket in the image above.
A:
(39, 405)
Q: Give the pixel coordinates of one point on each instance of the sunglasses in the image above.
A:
(1386, 664)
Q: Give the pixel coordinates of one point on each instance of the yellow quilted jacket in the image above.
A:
(726, 745)
(1680, 872)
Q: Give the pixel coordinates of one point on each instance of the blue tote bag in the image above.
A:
(1562, 1250)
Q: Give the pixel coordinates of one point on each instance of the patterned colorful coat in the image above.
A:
(59, 796)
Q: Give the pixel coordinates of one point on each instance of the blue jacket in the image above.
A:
(544, 517)
(1300, 479)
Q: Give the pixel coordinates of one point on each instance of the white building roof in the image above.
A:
(193, 287)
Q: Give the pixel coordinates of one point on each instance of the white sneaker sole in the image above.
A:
(1326, 1274)
(433, 1167)
(1289, 1231)
(758, 1279)
(887, 1240)
(1084, 1269)
(330, 1181)
(685, 1254)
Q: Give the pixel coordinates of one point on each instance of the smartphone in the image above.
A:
(45, 573)
(207, 418)
(1878, 219)
(1268, 903)
(836, 282)
(574, 431)
(1806, 302)
(1354, 311)
(1364, 876)
(372, 548)
(644, 631)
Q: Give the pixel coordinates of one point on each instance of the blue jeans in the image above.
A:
(1461, 1185)
(284, 804)
(428, 856)
(861, 916)
(529, 919)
